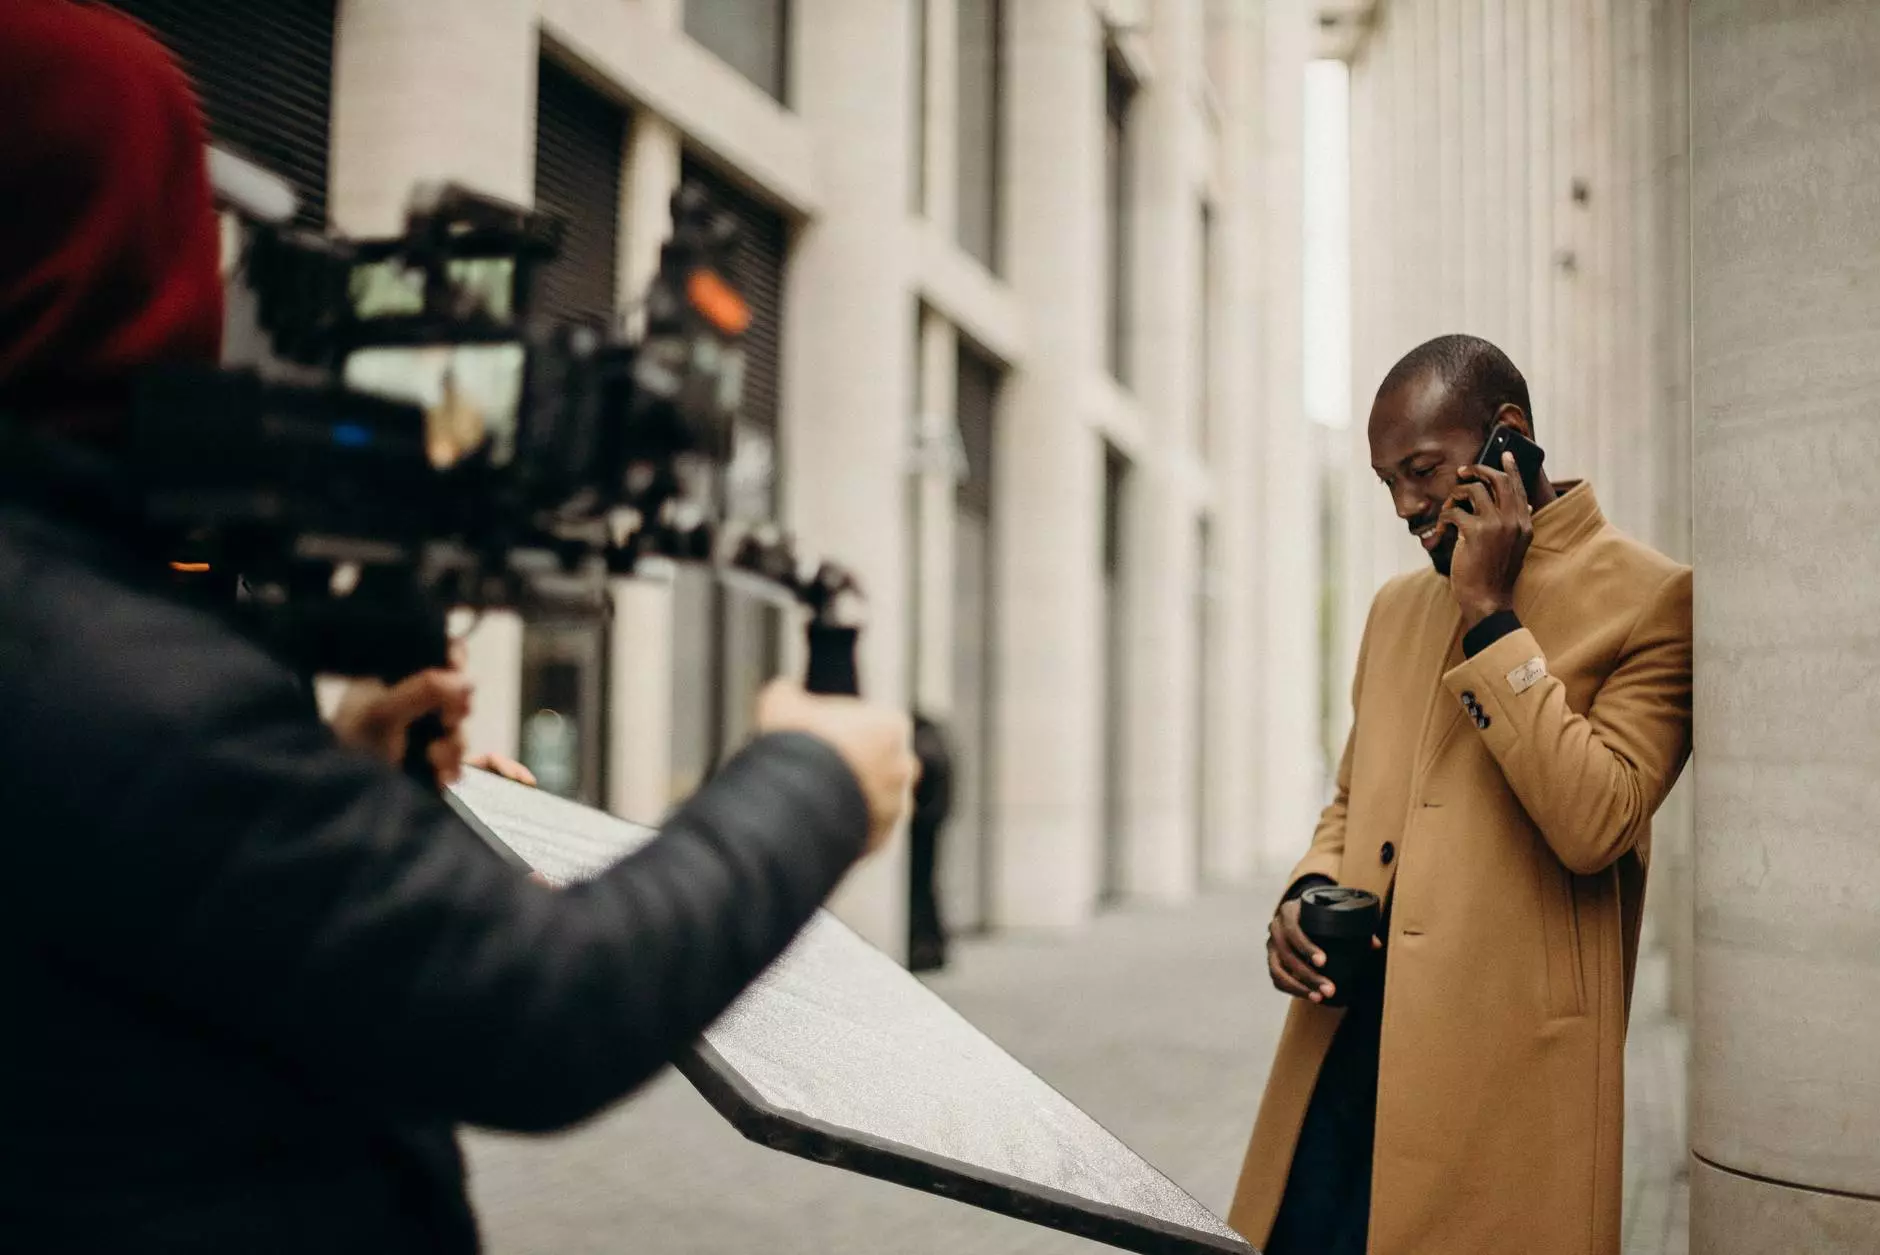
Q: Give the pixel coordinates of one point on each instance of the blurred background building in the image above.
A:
(1026, 354)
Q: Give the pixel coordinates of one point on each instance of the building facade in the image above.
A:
(1025, 355)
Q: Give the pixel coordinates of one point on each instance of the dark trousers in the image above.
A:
(926, 933)
(1326, 1209)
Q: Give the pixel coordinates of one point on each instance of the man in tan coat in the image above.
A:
(1521, 710)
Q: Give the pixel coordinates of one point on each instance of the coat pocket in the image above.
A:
(1566, 973)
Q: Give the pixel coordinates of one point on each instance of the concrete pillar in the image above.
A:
(1230, 837)
(427, 90)
(940, 155)
(1048, 476)
(1513, 196)
(1290, 643)
(936, 428)
(1486, 110)
(1671, 873)
(1785, 207)
(1446, 90)
(1159, 849)
(1543, 176)
(640, 689)
(848, 356)
(1370, 295)
(1475, 242)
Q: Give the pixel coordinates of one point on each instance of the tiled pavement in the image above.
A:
(1159, 1023)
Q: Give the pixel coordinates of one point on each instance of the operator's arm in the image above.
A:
(196, 839)
(1591, 783)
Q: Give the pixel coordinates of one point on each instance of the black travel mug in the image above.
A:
(1341, 922)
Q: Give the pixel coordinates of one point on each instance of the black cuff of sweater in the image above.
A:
(1488, 631)
(1310, 880)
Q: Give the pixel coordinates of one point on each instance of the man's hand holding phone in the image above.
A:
(1494, 525)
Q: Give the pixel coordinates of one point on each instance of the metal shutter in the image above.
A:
(757, 270)
(580, 146)
(265, 75)
(976, 400)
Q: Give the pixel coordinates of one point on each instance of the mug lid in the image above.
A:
(1338, 911)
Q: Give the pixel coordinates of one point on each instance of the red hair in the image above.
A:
(110, 257)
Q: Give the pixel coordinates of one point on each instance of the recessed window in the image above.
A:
(751, 36)
(1119, 180)
(980, 88)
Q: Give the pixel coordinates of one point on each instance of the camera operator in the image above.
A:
(253, 978)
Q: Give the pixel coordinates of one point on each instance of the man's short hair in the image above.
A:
(1476, 371)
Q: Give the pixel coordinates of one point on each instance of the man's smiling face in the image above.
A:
(1421, 432)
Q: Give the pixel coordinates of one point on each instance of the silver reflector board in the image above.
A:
(838, 1055)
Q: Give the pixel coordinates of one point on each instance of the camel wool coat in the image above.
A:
(1514, 843)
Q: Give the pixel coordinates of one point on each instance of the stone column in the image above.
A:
(429, 90)
(1543, 176)
(1048, 479)
(1785, 203)
(1159, 849)
(640, 690)
(1485, 103)
(1517, 171)
(1230, 839)
(848, 348)
(1475, 241)
(1370, 294)
(1291, 776)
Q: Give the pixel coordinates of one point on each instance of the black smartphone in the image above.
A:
(1528, 456)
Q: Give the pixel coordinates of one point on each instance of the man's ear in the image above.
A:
(1512, 415)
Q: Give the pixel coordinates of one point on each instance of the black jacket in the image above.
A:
(250, 980)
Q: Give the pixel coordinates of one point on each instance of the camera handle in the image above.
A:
(831, 595)
(832, 660)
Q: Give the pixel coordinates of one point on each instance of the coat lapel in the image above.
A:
(1440, 649)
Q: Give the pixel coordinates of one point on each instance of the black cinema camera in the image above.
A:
(416, 440)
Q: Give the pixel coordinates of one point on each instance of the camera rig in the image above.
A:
(415, 439)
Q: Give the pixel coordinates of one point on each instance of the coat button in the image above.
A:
(1388, 854)
(1468, 698)
(1482, 722)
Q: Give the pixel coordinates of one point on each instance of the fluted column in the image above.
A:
(1048, 478)
(848, 356)
(1159, 847)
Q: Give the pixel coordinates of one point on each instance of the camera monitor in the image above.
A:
(838, 1055)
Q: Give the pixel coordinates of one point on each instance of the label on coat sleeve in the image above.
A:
(1527, 675)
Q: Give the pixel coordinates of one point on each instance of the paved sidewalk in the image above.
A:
(1160, 1023)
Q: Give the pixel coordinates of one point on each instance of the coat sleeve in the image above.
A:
(311, 906)
(1326, 856)
(1591, 783)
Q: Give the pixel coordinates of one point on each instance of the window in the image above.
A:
(981, 82)
(751, 36)
(917, 175)
(727, 644)
(580, 148)
(1116, 602)
(965, 872)
(1204, 335)
(1118, 181)
(564, 707)
(580, 140)
(265, 74)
